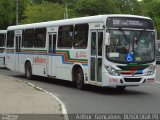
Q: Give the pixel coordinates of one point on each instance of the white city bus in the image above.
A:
(103, 50)
(2, 47)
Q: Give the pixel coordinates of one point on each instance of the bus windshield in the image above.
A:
(136, 46)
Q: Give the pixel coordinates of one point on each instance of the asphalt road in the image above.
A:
(142, 99)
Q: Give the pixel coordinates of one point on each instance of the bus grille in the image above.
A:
(132, 79)
(130, 70)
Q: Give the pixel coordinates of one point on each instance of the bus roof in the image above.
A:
(89, 19)
(3, 31)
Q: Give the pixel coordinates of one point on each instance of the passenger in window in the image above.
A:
(135, 41)
(141, 47)
(38, 40)
(81, 43)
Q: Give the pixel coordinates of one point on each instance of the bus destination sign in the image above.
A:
(127, 22)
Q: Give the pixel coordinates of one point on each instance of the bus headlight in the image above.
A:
(111, 71)
(150, 70)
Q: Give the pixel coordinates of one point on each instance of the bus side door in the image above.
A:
(18, 39)
(51, 54)
(96, 56)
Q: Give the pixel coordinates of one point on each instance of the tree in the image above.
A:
(129, 6)
(61, 1)
(37, 1)
(151, 9)
(43, 12)
(7, 13)
(95, 7)
(22, 6)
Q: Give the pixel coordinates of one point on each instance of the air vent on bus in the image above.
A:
(132, 79)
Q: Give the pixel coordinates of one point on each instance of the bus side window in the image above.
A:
(28, 40)
(81, 36)
(10, 39)
(100, 41)
(2, 40)
(40, 37)
(65, 36)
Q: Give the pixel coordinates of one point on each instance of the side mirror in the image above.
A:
(107, 39)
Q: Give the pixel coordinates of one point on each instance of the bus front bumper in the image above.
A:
(109, 80)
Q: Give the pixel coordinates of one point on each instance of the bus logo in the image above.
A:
(129, 57)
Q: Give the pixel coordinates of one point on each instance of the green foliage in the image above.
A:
(7, 11)
(37, 1)
(43, 12)
(151, 9)
(22, 6)
(95, 7)
(129, 6)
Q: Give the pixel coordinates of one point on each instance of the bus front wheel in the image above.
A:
(28, 70)
(80, 79)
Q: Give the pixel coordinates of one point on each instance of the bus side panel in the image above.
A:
(22, 59)
(22, 63)
(39, 65)
(63, 70)
(2, 59)
(66, 59)
(10, 61)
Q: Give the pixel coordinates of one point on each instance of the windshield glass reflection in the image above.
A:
(131, 46)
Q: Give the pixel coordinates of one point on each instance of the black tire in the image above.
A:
(28, 71)
(121, 87)
(80, 79)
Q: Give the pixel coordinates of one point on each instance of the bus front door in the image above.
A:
(51, 52)
(17, 51)
(96, 56)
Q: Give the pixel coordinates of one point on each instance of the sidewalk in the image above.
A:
(16, 97)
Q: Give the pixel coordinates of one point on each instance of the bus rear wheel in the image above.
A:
(80, 79)
(28, 70)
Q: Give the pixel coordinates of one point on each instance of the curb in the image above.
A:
(64, 110)
(157, 82)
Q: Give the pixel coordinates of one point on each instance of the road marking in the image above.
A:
(63, 107)
(157, 81)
